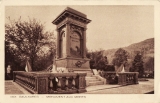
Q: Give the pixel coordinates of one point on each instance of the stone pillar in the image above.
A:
(84, 43)
(58, 47)
(81, 82)
(67, 39)
(136, 78)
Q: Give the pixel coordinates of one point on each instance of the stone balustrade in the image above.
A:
(148, 75)
(51, 83)
(123, 78)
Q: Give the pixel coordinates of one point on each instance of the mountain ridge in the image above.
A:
(145, 46)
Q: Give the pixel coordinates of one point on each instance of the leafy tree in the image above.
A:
(149, 64)
(120, 57)
(27, 39)
(98, 61)
(137, 65)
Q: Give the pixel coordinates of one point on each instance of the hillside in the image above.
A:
(147, 46)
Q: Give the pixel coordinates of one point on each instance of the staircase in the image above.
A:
(91, 79)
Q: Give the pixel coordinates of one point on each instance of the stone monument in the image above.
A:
(71, 41)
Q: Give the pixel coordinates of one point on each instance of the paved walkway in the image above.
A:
(144, 87)
(13, 88)
(141, 88)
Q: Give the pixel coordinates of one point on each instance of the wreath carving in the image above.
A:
(79, 63)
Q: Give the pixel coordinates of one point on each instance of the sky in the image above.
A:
(111, 26)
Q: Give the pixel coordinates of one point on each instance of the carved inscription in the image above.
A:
(75, 44)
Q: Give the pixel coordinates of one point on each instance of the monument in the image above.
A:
(71, 41)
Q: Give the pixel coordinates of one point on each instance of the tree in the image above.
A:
(149, 64)
(120, 57)
(137, 65)
(98, 61)
(27, 39)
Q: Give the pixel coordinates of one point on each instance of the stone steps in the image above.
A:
(93, 83)
(91, 79)
(83, 72)
(89, 74)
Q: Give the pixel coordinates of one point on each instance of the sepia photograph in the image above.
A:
(80, 52)
(79, 49)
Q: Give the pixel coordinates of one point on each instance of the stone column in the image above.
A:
(84, 43)
(67, 39)
(58, 47)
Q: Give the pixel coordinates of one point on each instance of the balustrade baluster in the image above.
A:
(126, 78)
(73, 83)
(24, 79)
(25, 82)
(20, 79)
(59, 84)
(34, 84)
(29, 81)
(66, 84)
(133, 78)
(51, 84)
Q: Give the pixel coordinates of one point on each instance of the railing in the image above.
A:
(124, 78)
(51, 83)
(148, 75)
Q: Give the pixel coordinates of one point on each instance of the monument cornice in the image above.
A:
(68, 12)
(71, 21)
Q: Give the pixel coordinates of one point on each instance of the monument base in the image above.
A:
(70, 64)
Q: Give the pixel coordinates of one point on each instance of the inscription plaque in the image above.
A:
(75, 48)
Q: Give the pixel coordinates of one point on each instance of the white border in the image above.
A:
(94, 98)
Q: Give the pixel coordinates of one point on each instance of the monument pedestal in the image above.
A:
(73, 64)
